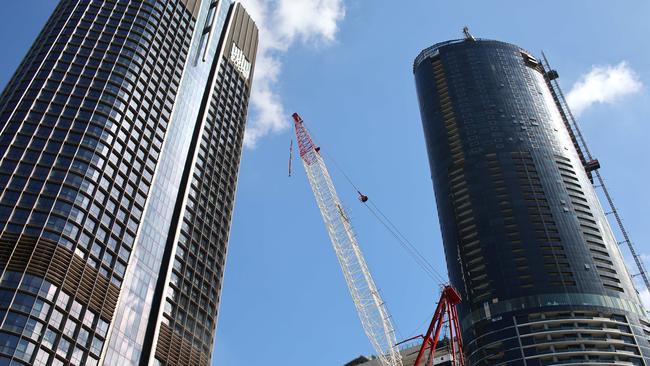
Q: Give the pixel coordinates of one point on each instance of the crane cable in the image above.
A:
(419, 259)
(290, 156)
(407, 245)
(415, 254)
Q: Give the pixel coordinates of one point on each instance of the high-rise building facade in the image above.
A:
(120, 139)
(526, 241)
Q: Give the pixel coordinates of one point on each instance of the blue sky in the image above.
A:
(284, 300)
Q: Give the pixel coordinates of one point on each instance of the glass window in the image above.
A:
(82, 338)
(40, 309)
(102, 327)
(5, 298)
(63, 347)
(33, 329)
(96, 346)
(41, 358)
(89, 317)
(62, 300)
(47, 290)
(10, 198)
(77, 356)
(23, 302)
(55, 318)
(75, 309)
(91, 361)
(10, 279)
(8, 343)
(49, 338)
(24, 350)
(14, 322)
(70, 327)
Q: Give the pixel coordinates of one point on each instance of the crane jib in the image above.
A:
(371, 309)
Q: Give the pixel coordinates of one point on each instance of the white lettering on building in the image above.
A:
(239, 60)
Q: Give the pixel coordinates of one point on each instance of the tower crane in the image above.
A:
(369, 304)
(592, 166)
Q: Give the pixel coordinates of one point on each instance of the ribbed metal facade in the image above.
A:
(98, 129)
(526, 241)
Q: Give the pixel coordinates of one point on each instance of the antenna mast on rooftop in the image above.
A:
(467, 34)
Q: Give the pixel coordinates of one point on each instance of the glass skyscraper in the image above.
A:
(527, 243)
(120, 139)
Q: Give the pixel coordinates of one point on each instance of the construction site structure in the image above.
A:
(409, 352)
(432, 350)
(449, 299)
(591, 166)
(370, 307)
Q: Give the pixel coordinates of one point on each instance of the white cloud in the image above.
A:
(310, 18)
(282, 23)
(603, 84)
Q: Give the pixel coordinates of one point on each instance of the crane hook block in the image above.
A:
(362, 197)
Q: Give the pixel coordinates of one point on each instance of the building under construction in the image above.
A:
(409, 353)
(527, 243)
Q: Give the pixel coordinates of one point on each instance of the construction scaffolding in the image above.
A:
(591, 166)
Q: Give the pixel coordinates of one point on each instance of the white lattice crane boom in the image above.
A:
(374, 317)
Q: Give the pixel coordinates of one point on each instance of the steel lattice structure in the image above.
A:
(372, 311)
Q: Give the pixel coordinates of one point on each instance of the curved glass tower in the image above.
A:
(526, 241)
(120, 139)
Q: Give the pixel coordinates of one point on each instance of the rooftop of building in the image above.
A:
(434, 49)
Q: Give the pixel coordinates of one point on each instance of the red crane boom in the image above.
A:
(447, 305)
